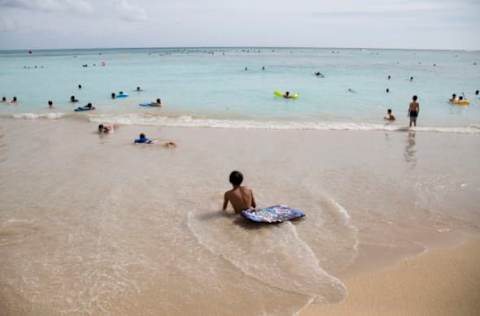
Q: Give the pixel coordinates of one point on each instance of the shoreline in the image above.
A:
(380, 191)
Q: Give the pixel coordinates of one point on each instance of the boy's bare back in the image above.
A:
(240, 197)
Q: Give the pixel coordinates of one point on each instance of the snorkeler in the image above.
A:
(389, 116)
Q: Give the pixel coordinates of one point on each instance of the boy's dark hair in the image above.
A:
(415, 98)
(389, 111)
(236, 178)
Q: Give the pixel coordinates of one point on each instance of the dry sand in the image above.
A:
(439, 282)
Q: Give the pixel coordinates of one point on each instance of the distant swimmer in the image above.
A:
(157, 103)
(411, 78)
(169, 145)
(387, 90)
(105, 129)
(139, 89)
(453, 98)
(246, 68)
(113, 95)
(50, 104)
(88, 107)
(14, 100)
(389, 77)
(4, 99)
(389, 116)
(73, 100)
(263, 67)
(319, 74)
(239, 196)
(142, 139)
(351, 90)
(79, 86)
(476, 92)
(413, 110)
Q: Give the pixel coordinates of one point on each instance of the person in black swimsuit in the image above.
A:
(413, 110)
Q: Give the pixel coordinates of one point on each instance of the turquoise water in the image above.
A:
(211, 84)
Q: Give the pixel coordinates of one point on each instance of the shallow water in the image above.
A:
(212, 84)
(95, 225)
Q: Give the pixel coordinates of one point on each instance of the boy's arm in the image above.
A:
(254, 204)
(225, 202)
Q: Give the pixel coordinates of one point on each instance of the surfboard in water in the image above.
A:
(272, 214)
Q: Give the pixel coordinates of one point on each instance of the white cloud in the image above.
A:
(129, 12)
(48, 5)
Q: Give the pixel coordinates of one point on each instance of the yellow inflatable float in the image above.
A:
(461, 102)
(283, 95)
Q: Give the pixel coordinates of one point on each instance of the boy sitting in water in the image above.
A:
(390, 116)
(240, 197)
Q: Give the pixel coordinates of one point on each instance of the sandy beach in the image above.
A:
(95, 225)
(440, 282)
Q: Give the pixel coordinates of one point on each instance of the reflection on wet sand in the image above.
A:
(410, 150)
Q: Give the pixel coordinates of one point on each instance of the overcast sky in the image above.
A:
(438, 24)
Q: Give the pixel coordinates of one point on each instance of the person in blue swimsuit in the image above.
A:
(142, 139)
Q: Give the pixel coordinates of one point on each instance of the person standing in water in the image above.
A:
(413, 110)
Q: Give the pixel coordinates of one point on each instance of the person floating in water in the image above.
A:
(413, 110)
(157, 103)
(142, 139)
(105, 129)
(454, 98)
(79, 86)
(411, 78)
(387, 90)
(319, 74)
(389, 116)
(50, 104)
(239, 196)
(73, 100)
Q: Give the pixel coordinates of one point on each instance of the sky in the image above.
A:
(411, 24)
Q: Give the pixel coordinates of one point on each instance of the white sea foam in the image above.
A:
(35, 116)
(188, 121)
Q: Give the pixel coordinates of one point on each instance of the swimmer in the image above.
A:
(142, 139)
(411, 78)
(105, 129)
(246, 68)
(263, 67)
(239, 196)
(4, 99)
(79, 86)
(14, 100)
(477, 92)
(287, 95)
(113, 95)
(139, 89)
(454, 98)
(50, 104)
(351, 90)
(387, 90)
(389, 77)
(319, 74)
(157, 103)
(389, 116)
(72, 99)
(460, 98)
(413, 110)
(90, 106)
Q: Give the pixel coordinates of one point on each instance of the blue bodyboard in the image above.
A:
(272, 214)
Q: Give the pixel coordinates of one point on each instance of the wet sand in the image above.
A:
(95, 225)
(439, 282)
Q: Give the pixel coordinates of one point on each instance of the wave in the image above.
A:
(189, 121)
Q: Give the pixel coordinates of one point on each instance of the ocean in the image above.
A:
(227, 87)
